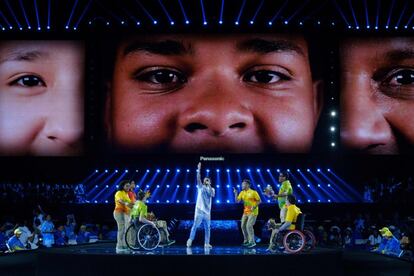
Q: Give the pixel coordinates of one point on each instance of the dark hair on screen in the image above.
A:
(284, 174)
(122, 184)
(291, 199)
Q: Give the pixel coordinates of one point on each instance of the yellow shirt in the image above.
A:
(251, 200)
(123, 196)
(292, 215)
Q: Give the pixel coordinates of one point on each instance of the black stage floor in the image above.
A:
(101, 259)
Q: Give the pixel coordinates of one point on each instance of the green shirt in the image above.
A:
(139, 209)
(286, 187)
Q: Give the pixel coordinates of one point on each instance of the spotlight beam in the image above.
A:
(5, 19)
(12, 13)
(221, 11)
(301, 7)
(257, 10)
(402, 14)
(49, 7)
(203, 12)
(183, 11)
(279, 11)
(390, 13)
(24, 13)
(83, 13)
(341, 13)
(377, 15)
(145, 11)
(366, 13)
(353, 13)
(72, 12)
(241, 10)
(165, 11)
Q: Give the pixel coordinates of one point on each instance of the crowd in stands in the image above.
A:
(389, 190)
(42, 192)
(43, 231)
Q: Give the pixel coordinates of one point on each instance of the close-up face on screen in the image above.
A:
(213, 93)
(377, 94)
(41, 98)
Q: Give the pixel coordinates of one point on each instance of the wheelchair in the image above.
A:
(143, 236)
(295, 241)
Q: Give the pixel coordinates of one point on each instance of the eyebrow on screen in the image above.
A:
(264, 46)
(163, 47)
(28, 56)
(400, 54)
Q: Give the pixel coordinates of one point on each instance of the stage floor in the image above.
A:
(101, 259)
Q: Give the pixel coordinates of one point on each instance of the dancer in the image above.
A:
(284, 191)
(203, 209)
(121, 214)
(251, 201)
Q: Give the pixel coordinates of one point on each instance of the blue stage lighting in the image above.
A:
(309, 200)
(238, 186)
(308, 170)
(318, 170)
(237, 170)
(116, 171)
(298, 170)
(158, 186)
(217, 170)
(168, 201)
(228, 201)
(187, 22)
(148, 170)
(329, 185)
(147, 186)
(106, 186)
(298, 185)
(268, 201)
(96, 170)
(178, 170)
(217, 186)
(106, 201)
(301, 23)
(319, 185)
(278, 185)
(188, 186)
(205, 23)
(227, 170)
(217, 201)
(319, 200)
(126, 171)
(107, 23)
(286, 22)
(122, 22)
(158, 170)
(188, 170)
(329, 200)
(178, 201)
(66, 27)
(228, 186)
(268, 170)
(178, 186)
(207, 170)
(248, 170)
(158, 201)
(117, 186)
(299, 200)
(168, 170)
(138, 23)
(308, 185)
(258, 170)
(136, 170)
(288, 170)
(187, 201)
(278, 170)
(270, 23)
(172, 23)
(96, 201)
(155, 22)
(96, 186)
(236, 23)
(168, 186)
(251, 22)
(220, 22)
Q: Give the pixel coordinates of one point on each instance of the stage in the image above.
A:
(101, 259)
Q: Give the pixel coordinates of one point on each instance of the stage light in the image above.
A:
(376, 28)
(178, 186)
(329, 185)
(155, 22)
(286, 22)
(228, 201)
(116, 171)
(333, 23)
(386, 27)
(405, 27)
(188, 186)
(66, 27)
(220, 22)
(301, 23)
(349, 27)
(138, 23)
(168, 201)
(228, 186)
(227, 170)
(357, 27)
(268, 170)
(96, 201)
(238, 186)
(178, 201)
(258, 170)
(328, 170)
(158, 186)
(147, 186)
(278, 170)
(122, 22)
(368, 26)
(217, 201)
(396, 27)
(207, 170)
(217, 186)
(96, 186)
(106, 201)
(158, 201)
(319, 185)
(106, 186)
(319, 200)
(136, 170)
(205, 23)
(96, 171)
(20, 28)
(299, 200)
(188, 170)
(168, 186)
(318, 170)
(288, 170)
(126, 171)
(251, 22)
(333, 144)
(187, 201)
(332, 129)
(158, 170)
(319, 22)
(308, 170)
(298, 170)
(308, 185)
(117, 186)
(309, 200)
(248, 170)
(270, 23)
(298, 185)
(178, 170)
(187, 22)
(217, 170)
(90, 22)
(268, 201)
(258, 185)
(329, 200)
(107, 23)
(237, 22)
(106, 171)
(278, 185)
(237, 170)
(333, 113)
(172, 23)
(168, 170)
(148, 170)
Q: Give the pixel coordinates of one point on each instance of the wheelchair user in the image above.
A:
(290, 220)
(140, 215)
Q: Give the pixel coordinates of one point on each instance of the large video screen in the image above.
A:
(278, 93)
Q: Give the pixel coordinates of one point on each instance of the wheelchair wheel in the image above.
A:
(294, 241)
(131, 237)
(149, 237)
(310, 240)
